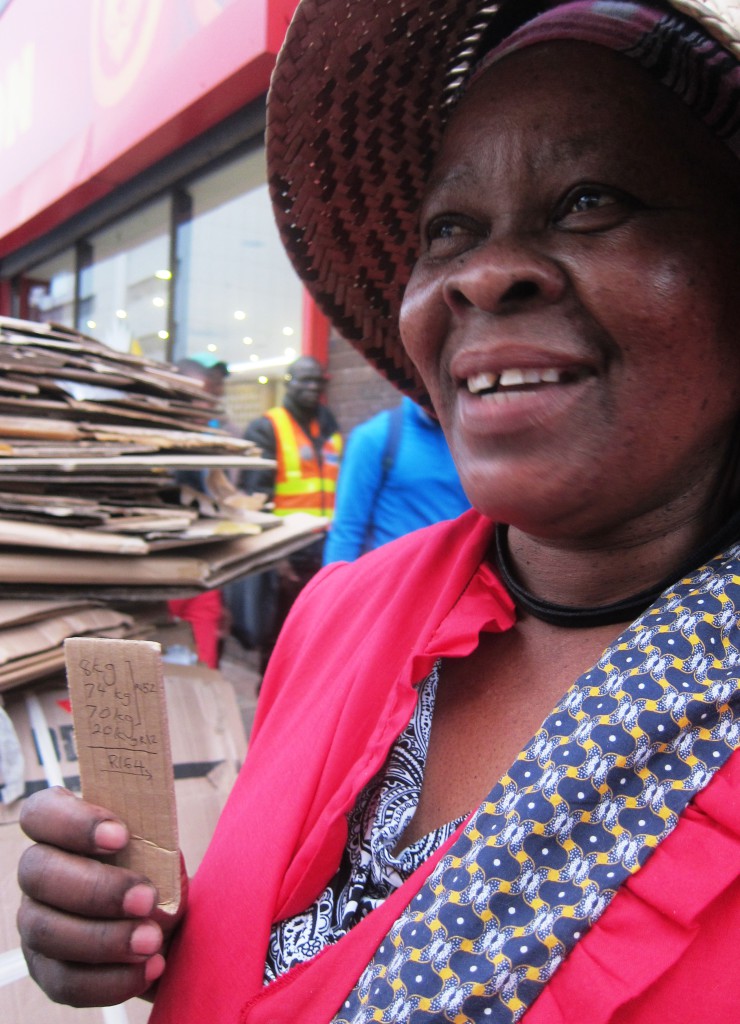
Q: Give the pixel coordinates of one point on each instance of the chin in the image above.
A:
(527, 509)
(498, 492)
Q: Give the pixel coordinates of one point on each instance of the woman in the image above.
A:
(569, 310)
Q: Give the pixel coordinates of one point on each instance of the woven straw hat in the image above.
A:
(356, 111)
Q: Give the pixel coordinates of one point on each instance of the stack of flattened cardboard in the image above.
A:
(92, 513)
(95, 533)
(32, 634)
(90, 442)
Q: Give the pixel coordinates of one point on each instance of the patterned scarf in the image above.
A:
(601, 784)
(671, 48)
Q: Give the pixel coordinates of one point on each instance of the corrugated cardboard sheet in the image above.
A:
(119, 711)
(32, 634)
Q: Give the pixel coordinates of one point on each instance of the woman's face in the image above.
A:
(575, 308)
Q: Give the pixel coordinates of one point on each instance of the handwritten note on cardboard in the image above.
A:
(120, 721)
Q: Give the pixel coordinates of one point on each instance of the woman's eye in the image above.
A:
(441, 229)
(442, 233)
(590, 200)
(592, 207)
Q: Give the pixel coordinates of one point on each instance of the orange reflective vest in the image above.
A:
(303, 483)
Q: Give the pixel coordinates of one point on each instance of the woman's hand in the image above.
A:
(91, 932)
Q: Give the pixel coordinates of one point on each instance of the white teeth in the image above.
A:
(513, 377)
(481, 381)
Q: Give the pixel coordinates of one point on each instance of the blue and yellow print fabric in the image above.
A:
(602, 783)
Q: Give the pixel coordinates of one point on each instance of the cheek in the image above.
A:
(665, 315)
(681, 363)
(687, 294)
(422, 325)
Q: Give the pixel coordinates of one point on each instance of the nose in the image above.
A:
(503, 276)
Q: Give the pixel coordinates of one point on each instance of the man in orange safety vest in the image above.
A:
(303, 437)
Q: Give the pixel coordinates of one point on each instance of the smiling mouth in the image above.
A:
(524, 379)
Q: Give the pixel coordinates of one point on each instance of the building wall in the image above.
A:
(245, 400)
(356, 391)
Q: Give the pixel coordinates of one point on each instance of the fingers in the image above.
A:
(83, 886)
(58, 817)
(84, 923)
(84, 928)
(83, 985)
(88, 927)
(62, 936)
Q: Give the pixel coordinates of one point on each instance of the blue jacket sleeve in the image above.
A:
(359, 477)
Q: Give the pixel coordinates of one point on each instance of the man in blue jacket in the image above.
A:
(397, 475)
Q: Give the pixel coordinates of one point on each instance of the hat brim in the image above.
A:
(356, 111)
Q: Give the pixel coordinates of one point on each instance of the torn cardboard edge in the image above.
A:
(37, 666)
(107, 539)
(75, 459)
(157, 576)
(120, 722)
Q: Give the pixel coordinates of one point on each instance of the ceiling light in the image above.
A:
(91, 324)
(121, 314)
(239, 314)
(158, 301)
(164, 275)
(288, 332)
(164, 335)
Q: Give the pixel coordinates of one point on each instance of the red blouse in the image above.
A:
(339, 691)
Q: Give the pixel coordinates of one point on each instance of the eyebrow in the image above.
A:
(460, 174)
(575, 146)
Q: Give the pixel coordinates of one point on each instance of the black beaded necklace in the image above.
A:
(628, 608)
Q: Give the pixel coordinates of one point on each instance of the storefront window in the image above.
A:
(241, 299)
(125, 283)
(50, 290)
(232, 294)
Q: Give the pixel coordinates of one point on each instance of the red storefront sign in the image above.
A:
(94, 91)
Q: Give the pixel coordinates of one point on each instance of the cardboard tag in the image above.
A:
(120, 721)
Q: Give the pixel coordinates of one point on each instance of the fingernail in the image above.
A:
(138, 901)
(110, 835)
(154, 968)
(146, 939)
